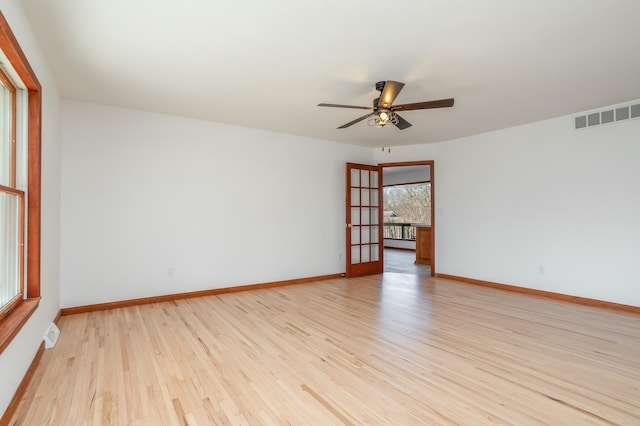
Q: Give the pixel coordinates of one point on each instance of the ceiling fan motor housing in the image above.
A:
(380, 86)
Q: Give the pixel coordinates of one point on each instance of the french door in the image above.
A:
(364, 251)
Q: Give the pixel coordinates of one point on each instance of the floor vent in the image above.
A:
(51, 336)
(607, 116)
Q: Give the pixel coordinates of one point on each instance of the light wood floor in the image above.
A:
(388, 349)
(403, 261)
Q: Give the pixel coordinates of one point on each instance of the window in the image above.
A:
(406, 205)
(11, 200)
(20, 115)
(409, 203)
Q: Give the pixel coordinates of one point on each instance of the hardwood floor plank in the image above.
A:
(385, 349)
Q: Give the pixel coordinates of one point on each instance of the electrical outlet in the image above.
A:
(339, 257)
(541, 269)
(171, 272)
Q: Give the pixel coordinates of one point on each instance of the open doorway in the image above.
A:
(408, 218)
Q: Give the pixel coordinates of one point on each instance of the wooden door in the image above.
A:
(364, 251)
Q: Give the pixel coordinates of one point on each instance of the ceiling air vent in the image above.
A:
(607, 116)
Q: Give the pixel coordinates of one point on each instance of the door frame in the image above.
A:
(429, 163)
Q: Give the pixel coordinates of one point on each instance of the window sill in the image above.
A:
(11, 325)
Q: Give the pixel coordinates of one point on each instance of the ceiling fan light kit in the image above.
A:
(384, 112)
(383, 118)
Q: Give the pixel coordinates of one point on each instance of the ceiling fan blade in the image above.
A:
(344, 106)
(389, 93)
(357, 120)
(402, 123)
(442, 103)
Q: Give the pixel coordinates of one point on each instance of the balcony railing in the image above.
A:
(399, 231)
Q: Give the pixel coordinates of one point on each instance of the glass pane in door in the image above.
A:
(355, 196)
(355, 235)
(365, 216)
(355, 216)
(365, 253)
(375, 253)
(355, 177)
(355, 254)
(365, 234)
(364, 179)
(374, 197)
(374, 234)
(374, 216)
(365, 197)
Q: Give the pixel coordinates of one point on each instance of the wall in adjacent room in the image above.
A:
(541, 206)
(412, 175)
(17, 357)
(155, 204)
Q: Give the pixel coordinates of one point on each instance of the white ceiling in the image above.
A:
(267, 64)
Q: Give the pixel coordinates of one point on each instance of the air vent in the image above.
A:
(622, 113)
(607, 116)
(51, 336)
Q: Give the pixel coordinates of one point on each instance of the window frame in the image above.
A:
(14, 318)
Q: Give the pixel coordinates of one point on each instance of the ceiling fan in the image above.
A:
(384, 112)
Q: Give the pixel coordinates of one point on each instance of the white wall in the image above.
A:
(219, 205)
(17, 357)
(397, 176)
(540, 206)
(402, 244)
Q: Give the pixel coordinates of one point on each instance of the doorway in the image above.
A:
(408, 218)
